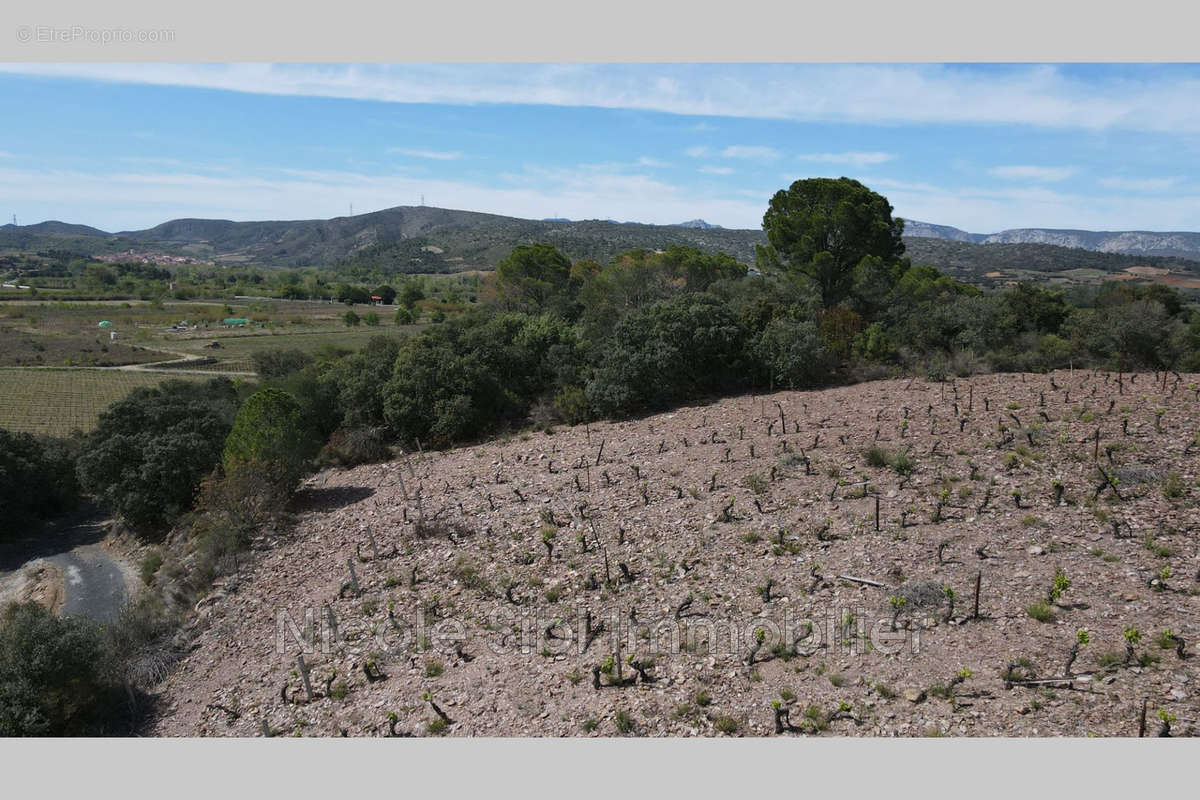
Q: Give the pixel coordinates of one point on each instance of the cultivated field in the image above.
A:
(58, 401)
(67, 334)
(238, 345)
(724, 570)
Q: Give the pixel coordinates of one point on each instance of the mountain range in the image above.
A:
(424, 238)
(1178, 244)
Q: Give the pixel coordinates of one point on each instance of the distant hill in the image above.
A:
(427, 239)
(56, 228)
(989, 264)
(931, 231)
(419, 238)
(1179, 244)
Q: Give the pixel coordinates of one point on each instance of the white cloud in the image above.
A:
(646, 161)
(699, 151)
(854, 158)
(989, 210)
(437, 155)
(1028, 172)
(1147, 185)
(754, 152)
(1154, 99)
(711, 170)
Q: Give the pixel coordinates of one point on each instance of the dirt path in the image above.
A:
(70, 567)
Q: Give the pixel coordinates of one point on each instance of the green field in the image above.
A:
(57, 401)
(66, 334)
(239, 345)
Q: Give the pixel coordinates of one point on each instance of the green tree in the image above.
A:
(351, 319)
(793, 353)
(277, 362)
(371, 319)
(352, 295)
(386, 293)
(1036, 309)
(823, 228)
(667, 353)
(149, 451)
(1136, 334)
(359, 380)
(267, 434)
(37, 478)
(57, 676)
(411, 294)
(535, 278)
(457, 380)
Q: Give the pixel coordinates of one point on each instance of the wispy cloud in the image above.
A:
(711, 170)
(1029, 172)
(1147, 185)
(646, 161)
(158, 161)
(436, 155)
(753, 152)
(854, 158)
(699, 151)
(1158, 99)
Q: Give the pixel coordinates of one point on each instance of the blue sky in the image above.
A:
(980, 147)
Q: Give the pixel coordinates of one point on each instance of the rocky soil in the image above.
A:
(713, 549)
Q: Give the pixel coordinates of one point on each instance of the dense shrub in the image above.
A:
(353, 446)
(277, 362)
(150, 450)
(57, 676)
(358, 381)
(672, 352)
(229, 508)
(793, 354)
(37, 478)
(571, 405)
(459, 379)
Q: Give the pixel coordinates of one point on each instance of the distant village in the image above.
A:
(147, 258)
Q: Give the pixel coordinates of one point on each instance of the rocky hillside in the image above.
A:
(801, 563)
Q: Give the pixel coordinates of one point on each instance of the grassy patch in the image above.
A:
(727, 725)
(1042, 612)
(898, 460)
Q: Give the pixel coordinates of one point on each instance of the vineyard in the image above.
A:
(1005, 555)
(242, 346)
(56, 402)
